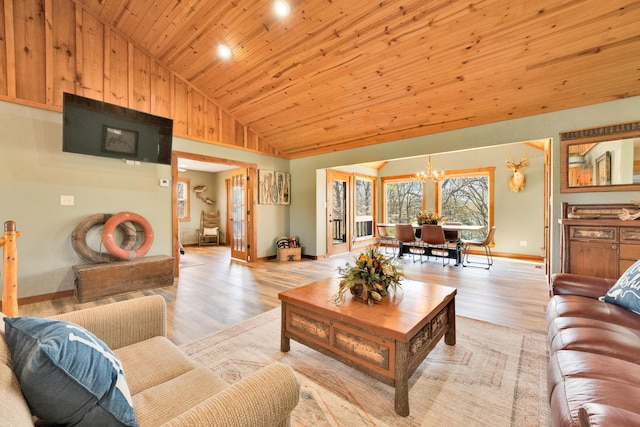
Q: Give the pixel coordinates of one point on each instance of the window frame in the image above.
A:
(466, 173)
(187, 196)
(374, 200)
(399, 178)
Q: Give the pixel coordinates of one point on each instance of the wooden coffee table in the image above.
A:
(387, 342)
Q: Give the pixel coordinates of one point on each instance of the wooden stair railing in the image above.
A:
(10, 283)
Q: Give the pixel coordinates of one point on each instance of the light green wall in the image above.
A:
(34, 173)
(309, 211)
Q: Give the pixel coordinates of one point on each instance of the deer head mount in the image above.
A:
(517, 181)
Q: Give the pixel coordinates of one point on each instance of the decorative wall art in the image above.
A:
(274, 188)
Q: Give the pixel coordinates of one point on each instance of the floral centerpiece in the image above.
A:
(370, 278)
(429, 217)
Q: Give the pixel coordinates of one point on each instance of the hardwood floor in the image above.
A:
(214, 292)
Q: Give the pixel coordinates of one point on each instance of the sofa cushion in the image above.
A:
(152, 362)
(594, 340)
(561, 323)
(67, 374)
(573, 393)
(626, 291)
(172, 398)
(577, 306)
(14, 411)
(564, 364)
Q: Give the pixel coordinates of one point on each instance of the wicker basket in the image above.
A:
(290, 254)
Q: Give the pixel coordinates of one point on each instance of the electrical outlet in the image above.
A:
(67, 201)
(523, 243)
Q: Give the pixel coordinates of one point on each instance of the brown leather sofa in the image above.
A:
(594, 367)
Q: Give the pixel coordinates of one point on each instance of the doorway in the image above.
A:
(339, 190)
(247, 219)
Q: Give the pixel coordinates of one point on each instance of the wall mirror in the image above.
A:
(605, 158)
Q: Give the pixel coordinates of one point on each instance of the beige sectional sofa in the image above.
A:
(167, 388)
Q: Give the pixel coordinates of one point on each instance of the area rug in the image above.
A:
(493, 376)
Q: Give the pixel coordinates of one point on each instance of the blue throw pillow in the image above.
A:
(67, 374)
(626, 291)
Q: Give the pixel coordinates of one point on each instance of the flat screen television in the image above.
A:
(101, 129)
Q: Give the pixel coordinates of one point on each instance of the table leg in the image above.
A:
(402, 379)
(285, 342)
(450, 335)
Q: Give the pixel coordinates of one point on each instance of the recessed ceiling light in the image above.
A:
(282, 8)
(224, 52)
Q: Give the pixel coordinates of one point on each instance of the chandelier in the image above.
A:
(430, 175)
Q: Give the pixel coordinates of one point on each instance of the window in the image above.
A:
(403, 199)
(466, 196)
(364, 206)
(184, 211)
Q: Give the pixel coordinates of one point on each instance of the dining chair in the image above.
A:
(452, 236)
(388, 239)
(485, 243)
(432, 237)
(405, 236)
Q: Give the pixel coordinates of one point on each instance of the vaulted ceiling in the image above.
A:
(339, 74)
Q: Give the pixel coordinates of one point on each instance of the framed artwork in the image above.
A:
(283, 184)
(274, 188)
(603, 169)
(119, 141)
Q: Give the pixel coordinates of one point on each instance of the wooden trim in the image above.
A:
(44, 297)
(48, 42)
(10, 44)
(251, 192)
(602, 133)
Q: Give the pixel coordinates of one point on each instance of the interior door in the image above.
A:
(338, 212)
(239, 229)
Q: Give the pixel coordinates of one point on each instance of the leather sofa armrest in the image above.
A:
(265, 398)
(575, 284)
(123, 323)
(598, 415)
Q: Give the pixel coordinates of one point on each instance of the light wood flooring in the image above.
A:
(214, 292)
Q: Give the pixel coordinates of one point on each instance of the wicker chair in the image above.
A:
(209, 231)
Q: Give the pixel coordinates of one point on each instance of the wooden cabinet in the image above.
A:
(596, 243)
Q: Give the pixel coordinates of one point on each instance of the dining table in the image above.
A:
(456, 228)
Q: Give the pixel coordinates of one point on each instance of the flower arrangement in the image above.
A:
(429, 217)
(370, 278)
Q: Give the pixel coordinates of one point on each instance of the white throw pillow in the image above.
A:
(211, 231)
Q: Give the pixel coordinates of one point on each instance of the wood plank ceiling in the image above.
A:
(338, 74)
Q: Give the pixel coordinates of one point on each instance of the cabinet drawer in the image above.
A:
(629, 235)
(599, 234)
(630, 252)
